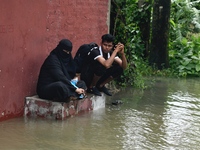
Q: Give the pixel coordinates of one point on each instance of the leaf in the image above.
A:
(194, 57)
(172, 23)
(197, 67)
(186, 61)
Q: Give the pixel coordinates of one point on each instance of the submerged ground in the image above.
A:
(165, 116)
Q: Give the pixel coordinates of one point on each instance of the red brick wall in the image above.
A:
(29, 30)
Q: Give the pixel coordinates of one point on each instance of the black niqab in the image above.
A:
(66, 59)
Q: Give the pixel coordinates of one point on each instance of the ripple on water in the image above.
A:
(182, 119)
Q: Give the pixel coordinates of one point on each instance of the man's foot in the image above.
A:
(94, 91)
(105, 90)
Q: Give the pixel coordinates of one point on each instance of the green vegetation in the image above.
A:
(184, 39)
(184, 43)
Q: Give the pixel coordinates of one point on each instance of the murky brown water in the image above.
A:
(163, 117)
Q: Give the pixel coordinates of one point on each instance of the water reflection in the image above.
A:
(165, 116)
(182, 120)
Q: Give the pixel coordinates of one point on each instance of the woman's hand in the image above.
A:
(80, 91)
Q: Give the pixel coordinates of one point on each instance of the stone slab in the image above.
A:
(37, 107)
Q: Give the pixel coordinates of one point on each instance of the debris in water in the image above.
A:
(117, 102)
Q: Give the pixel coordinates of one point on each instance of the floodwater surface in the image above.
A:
(165, 116)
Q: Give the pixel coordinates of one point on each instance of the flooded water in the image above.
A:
(165, 116)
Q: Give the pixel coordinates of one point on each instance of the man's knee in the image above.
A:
(100, 71)
(117, 71)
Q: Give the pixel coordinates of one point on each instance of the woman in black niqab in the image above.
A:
(63, 52)
(56, 73)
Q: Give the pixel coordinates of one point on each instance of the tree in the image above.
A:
(160, 32)
(144, 23)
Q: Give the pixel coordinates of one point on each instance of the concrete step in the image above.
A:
(37, 107)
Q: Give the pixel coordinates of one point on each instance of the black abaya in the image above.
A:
(56, 73)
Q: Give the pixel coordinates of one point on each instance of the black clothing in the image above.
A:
(92, 66)
(56, 73)
(81, 55)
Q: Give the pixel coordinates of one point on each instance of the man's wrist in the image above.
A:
(122, 54)
(115, 52)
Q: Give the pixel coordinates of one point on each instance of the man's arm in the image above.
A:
(123, 61)
(108, 63)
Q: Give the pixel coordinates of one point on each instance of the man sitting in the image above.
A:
(103, 65)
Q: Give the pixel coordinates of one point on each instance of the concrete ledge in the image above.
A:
(37, 107)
